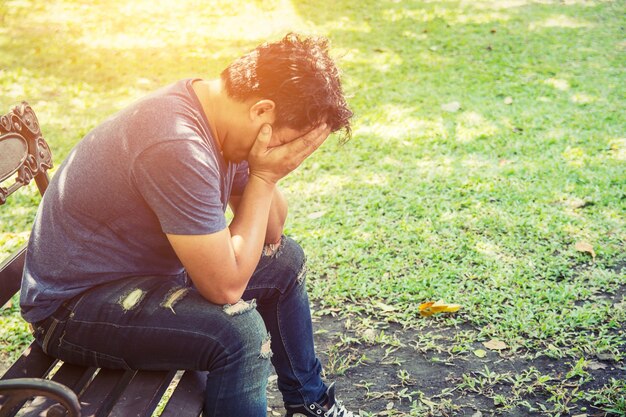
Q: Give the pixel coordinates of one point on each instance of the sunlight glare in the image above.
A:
(559, 21)
(472, 125)
(170, 23)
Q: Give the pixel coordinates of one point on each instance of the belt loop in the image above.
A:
(49, 333)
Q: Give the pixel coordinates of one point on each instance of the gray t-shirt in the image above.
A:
(151, 169)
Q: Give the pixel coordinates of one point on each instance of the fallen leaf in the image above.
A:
(576, 203)
(384, 307)
(495, 344)
(508, 101)
(594, 366)
(428, 403)
(480, 353)
(389, 405)
(451, 107)
(606, 356)
(369, 335)
(430, 307)
(585, 247)
(316, 215)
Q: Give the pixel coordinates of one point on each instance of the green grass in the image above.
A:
(482, 206)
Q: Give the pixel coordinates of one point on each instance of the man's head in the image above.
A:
(296, 79)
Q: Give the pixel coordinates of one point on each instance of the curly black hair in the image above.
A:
(296, 73)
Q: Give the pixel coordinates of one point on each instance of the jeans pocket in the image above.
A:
(78, 355)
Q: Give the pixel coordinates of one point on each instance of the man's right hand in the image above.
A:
(273, 163)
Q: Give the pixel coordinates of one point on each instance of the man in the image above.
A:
(131, 263)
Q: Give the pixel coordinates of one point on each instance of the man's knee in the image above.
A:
(289, 261)
(247, 333)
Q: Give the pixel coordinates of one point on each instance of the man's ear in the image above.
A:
(263, 111)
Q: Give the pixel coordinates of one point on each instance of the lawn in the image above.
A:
(487, 168)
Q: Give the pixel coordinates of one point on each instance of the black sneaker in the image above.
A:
(332, 408)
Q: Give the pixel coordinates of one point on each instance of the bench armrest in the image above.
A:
(16, 391)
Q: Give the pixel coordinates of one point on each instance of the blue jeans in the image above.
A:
(163, 323)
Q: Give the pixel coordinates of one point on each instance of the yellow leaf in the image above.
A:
(495, 344)
(425, 305)
(585, 247)
(430, 307)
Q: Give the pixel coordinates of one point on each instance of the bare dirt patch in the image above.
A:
(397, 376)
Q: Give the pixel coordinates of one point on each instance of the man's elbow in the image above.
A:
(231, 298)
(223, 296)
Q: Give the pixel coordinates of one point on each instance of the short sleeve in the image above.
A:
(241, 178)
(180, 181)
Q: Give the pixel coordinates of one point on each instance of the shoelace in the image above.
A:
(338, 410)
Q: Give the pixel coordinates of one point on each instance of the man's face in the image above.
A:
(237, 151)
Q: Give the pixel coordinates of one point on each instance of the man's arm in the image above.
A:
(221, 264)
(276, 219)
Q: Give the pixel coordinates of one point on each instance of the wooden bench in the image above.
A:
(59, 387)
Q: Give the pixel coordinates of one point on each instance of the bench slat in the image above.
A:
(143, 394)
(188, 397)
(100, 396)
(33, 363)
(72, 376)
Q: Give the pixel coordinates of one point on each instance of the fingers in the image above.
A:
(307, 144)
(275, 162)
(263, 138)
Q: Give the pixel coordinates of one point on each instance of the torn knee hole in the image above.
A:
(173, 297)
(239, 307)
(302, 274)
(132, 299)
(273, 249)
(266, 348)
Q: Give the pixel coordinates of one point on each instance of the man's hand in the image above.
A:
(272, 164)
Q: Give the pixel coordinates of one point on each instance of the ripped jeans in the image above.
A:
(163, 323)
